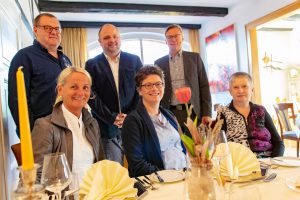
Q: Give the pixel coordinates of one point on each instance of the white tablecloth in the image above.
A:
(274, 190)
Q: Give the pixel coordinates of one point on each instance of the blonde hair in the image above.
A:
(64, 75)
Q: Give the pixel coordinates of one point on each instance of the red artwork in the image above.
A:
(221, 58)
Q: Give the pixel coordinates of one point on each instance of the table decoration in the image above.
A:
(201, 149)
(28, 189)
(201, 146)
(107, 180)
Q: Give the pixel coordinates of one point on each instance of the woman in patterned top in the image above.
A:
(248, 123)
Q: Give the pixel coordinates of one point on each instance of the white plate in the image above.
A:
(169, 176)
(292, 182)
(286, 161)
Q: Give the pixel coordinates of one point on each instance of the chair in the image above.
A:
(284, 112)
(16, 149)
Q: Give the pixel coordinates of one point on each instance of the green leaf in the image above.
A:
(188, 143)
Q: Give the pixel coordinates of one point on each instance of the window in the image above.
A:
(148, 46)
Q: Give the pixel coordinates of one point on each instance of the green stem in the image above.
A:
(187, 109)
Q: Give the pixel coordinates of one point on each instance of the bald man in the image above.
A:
(114, 87)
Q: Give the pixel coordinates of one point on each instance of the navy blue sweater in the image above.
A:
(40, 70)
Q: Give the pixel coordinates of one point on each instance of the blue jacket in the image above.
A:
(140, 141)
(105, 105)
(40, 70)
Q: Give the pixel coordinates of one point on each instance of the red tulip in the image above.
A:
(183, 94)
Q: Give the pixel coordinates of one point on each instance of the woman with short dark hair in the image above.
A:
(150, 133)
(248, 123)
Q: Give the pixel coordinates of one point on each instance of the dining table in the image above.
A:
(273, 190)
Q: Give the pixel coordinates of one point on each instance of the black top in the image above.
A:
(141, 143)
(40, 70)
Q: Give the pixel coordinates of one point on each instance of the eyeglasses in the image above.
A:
(169, 37)
(49, 29)
(149, 86)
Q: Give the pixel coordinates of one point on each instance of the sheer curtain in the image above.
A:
(194, 40)
(74, 43)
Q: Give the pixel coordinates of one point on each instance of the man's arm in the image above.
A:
(19, 60)
(205, 96)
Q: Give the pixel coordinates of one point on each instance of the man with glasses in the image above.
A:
(113, 73)
(182, 69)
(42, 62)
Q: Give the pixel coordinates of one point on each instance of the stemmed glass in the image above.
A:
(222, 155)
(56, 174)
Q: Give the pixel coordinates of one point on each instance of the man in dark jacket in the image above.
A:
(181, 69)
(42, 62)
(114, 88)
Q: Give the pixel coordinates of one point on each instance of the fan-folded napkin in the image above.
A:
(107, 180)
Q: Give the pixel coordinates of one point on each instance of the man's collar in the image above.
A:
(110, 59)
(179, 54)
(35, 42)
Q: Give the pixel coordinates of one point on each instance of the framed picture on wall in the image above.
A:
(221, 58)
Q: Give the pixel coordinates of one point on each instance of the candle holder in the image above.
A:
(28, 189)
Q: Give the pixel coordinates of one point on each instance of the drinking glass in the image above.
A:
(56, 174)
(222, 157)
(199, 184)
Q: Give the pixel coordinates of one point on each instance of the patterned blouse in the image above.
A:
(257, 131)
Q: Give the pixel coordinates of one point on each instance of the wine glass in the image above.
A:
(222, 157)
(56, 174)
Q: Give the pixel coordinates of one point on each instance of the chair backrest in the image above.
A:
(284, 112)
(16, 149)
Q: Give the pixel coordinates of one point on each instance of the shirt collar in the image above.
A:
(110, 60)
(71, 116)
(59, 48)
(178, 55)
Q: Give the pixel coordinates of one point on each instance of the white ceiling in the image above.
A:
(146, 18)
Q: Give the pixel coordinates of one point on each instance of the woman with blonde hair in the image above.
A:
(70, 128)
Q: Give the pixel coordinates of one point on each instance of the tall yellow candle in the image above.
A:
(25, 135)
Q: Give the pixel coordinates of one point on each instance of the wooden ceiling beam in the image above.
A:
(97, 7)
(76, 24)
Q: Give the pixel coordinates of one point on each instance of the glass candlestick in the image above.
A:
(29, 190)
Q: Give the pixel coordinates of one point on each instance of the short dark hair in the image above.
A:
(173, 26)
(38, 18)
(147, 70)
(238, 75)
(101, 27)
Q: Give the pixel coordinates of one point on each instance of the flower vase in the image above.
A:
(199, 184)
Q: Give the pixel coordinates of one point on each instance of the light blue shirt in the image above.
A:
(170, 143)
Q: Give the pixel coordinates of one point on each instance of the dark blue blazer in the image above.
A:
(105, 105)
(140, 141)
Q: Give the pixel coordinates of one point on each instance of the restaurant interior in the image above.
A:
(264, 41)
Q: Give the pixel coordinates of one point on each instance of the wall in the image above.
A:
(240, 15)
(15, 33)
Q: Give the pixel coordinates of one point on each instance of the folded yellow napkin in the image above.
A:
(241, 161)
(107, 180)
